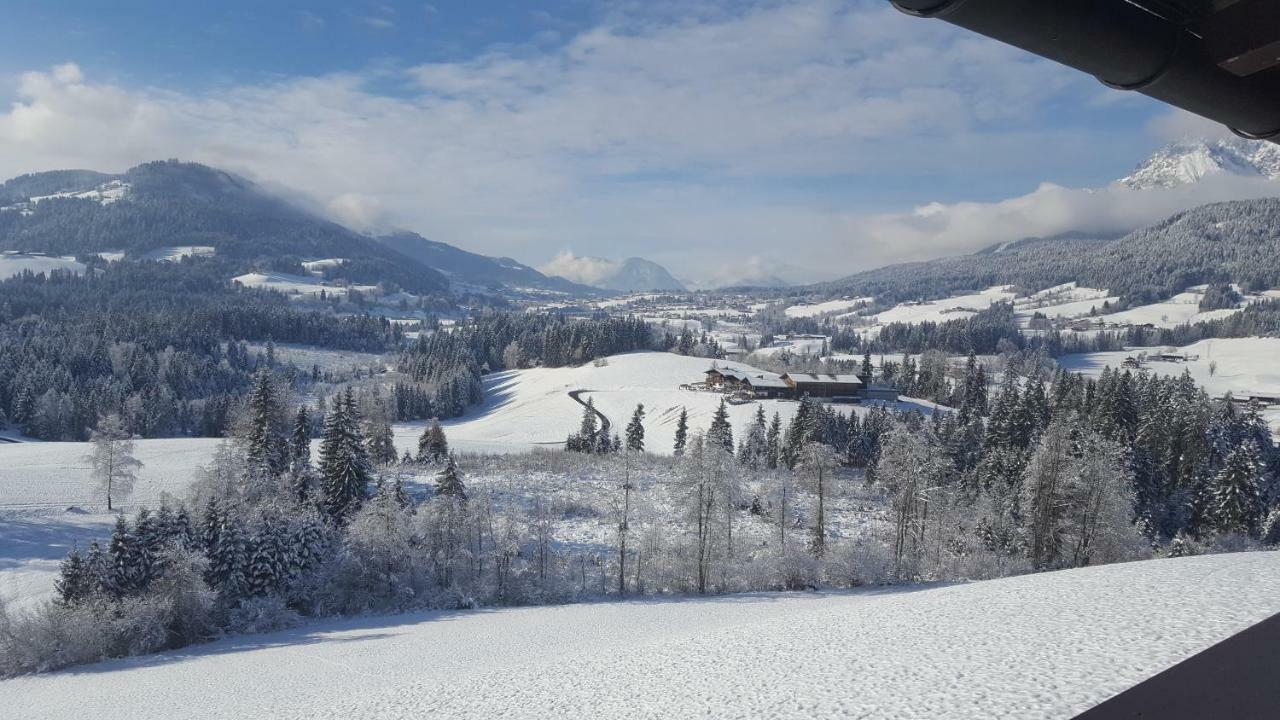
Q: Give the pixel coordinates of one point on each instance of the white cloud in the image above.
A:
(938, 229)
(68, 73)
(580, 269)
(673, 135)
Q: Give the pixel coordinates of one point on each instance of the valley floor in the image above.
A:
(1037, 646)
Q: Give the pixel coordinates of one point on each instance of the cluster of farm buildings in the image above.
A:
(794, 386)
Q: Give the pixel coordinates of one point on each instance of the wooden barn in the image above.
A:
(830, 386)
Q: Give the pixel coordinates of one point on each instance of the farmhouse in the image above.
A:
(757, 383)
(793, 386)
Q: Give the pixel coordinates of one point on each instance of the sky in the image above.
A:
(803, 138)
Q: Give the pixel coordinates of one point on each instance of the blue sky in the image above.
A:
(191, 45)
(807, 133)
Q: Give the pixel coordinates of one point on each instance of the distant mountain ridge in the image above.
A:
(1236, 241)
(1190, 161)
(170, 203)
(631, 275)
(468, 267)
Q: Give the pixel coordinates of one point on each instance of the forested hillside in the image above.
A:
(1236, 242)
(174, 204)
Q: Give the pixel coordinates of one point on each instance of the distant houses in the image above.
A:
(793, 386)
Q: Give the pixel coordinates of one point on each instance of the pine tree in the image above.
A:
(635, 430)
(75, 583)
(773, 441)
(588, 429)
(261, 458)
(721, 431)
(228, 560)
(799, 433)
(1236, 500)
(381, 444)
(682, 432)
(268, 561)
(122, 575)
(433, 446)
(449, 482)
(344, 462)
(753, 451)
(300, 441)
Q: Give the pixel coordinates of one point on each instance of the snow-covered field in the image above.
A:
(956, 307)
(177, 252)
(48, 502)
(1178, 310)
(531, 408)
(823, 308)
(12, 264)
(1037, 646)
(1063, 301)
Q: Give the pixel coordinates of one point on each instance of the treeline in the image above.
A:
(509, 341)
(991, 330)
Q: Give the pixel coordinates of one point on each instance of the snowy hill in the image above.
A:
(1037, 646)
(1187, 162)
(524, 409)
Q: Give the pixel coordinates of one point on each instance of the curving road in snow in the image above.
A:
(1039, 646)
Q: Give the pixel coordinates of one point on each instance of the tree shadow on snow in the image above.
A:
(378, 627)
(45, 538)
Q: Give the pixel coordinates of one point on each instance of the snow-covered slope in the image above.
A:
(13, 263)
(1036, 646)
(1187, 162)
(531, 408)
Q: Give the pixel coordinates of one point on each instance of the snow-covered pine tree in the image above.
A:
(381, 444)
(300, 442)
(799, 433)
(773, 441)
(449, 481)
(95, 561)
(261, 445)
(682, 432)
(753, 451)
(122, 577)
(344, 463)
(268, 557)
(720, 432)
(75, 583)
(229, 559)
(1236, 501)
(433, 446)
(635, 430)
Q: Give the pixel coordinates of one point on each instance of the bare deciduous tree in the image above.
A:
(114, 466)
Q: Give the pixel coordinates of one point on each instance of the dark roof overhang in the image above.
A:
(1219, 59)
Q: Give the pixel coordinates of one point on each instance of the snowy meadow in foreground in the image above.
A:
(1048, 645)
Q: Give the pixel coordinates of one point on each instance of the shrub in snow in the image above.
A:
(262, 614)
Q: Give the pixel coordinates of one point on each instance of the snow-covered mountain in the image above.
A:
(630, 275)
(1189, 161)
(468, 267)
